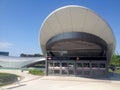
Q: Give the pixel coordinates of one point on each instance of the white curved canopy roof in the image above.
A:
(74, 18)
(18, 62)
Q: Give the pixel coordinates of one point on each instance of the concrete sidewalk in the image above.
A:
(31, 82)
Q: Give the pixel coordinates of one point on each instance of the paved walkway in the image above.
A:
(31, 82)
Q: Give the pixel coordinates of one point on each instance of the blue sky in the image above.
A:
(20, 21)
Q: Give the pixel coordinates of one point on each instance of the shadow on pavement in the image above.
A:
(112, 76)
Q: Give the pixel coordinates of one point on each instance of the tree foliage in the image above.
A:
(115, 60)
(30, 55)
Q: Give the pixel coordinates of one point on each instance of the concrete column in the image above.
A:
(91, 74)
(46, 66)
(75, 68)
(53, 66)
(60, 67)
(106, 64)
(67, 69)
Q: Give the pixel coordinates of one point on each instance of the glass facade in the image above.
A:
(77, 68)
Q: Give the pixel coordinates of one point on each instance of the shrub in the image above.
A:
(36, 72)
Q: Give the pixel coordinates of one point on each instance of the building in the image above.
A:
(25, 61)
(4, 53)
(20, 62)
(76, 42)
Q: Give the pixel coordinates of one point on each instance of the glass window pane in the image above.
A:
(102, 65)
(56, 64)
(64, 71)
(56, 71)
(94, 65)
(71, 64)
(64, 64)
(51, 64)
(86, 65)
(79, 64)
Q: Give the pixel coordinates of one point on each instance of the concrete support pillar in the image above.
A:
(60, 67)
(91, 74)
(46, 67)
(106, 64)
(75, 68)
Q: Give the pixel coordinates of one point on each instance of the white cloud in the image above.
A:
(5, 44)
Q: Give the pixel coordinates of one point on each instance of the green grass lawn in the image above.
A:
(6, 78)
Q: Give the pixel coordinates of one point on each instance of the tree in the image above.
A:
(115, 60)
(23, 55)
(30, 55)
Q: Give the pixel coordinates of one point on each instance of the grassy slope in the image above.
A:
(6, 78)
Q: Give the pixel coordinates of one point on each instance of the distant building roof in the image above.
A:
(4, 53)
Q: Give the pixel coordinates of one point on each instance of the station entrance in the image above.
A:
(76, 54)
(86, 68)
